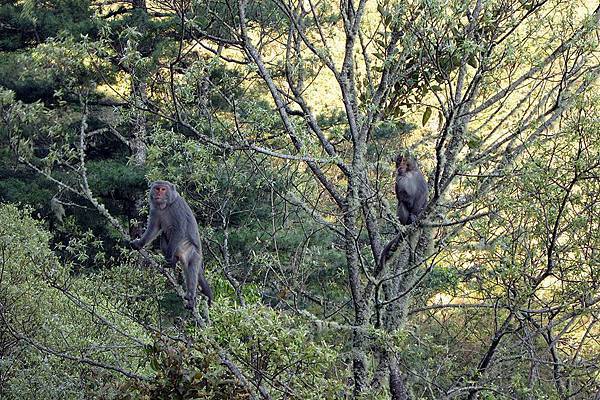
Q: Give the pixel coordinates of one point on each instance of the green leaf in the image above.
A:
(154, 364)
(426, 115)
(472, 61)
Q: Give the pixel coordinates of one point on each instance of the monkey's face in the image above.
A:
(405, 164)
(161, 194)
(402, 164)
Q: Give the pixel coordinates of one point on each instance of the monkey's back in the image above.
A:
(182, 217)
(410, 185)
(411, 191)
(421, 193)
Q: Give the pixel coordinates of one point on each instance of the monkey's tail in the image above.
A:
(389, 248)
(206, 290)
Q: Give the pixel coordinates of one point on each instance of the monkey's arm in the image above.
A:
(176, 238)
(403, 213)
(152, 231)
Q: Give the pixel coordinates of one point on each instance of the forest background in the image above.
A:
(278, 121)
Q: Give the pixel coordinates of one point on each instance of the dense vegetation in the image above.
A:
(278, 121)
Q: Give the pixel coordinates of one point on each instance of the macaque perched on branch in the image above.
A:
(411, 189)
(172, 218)
(411, 192)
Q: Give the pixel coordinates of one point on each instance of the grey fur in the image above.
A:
(411, 190)
(173, 219)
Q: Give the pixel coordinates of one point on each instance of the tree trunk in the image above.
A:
(398, 390)
(137, 143)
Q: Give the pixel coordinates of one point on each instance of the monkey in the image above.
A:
(172, 218)
(411, 192)
(411, 189)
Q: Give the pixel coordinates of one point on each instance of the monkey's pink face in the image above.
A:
(160, 193)
(402, 165)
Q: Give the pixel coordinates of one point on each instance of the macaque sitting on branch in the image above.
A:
(172, 218)
(411, 189)
(411, 192)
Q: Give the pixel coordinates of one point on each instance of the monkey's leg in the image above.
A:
(206, 290)
(196, 259)
(190, 274)
(176, 248)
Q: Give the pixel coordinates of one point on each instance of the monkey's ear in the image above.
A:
(172, 193)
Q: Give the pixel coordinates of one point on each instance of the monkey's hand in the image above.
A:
(190, 303)
(172, 261)
(136, 244)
